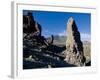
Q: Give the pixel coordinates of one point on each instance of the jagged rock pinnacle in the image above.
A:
(74, 45)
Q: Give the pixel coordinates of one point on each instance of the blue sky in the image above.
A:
(56, 22)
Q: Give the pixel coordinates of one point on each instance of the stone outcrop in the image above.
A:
(74, 45)
(32, 30)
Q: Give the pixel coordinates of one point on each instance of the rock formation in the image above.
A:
(74, 45)
(32, 30)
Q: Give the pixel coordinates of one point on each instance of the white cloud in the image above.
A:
(63, 33)
(85, 37)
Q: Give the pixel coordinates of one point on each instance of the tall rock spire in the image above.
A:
(74, 45)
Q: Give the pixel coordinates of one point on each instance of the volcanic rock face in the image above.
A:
(74, 46)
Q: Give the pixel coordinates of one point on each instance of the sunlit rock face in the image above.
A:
(74, 45)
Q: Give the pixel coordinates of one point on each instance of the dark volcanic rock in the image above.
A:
(74, 45)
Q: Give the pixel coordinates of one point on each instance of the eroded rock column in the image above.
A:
(74, 45)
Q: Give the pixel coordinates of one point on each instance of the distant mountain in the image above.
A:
(59, 40)
(57, 37)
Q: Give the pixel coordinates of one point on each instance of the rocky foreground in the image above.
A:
(36, 55)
